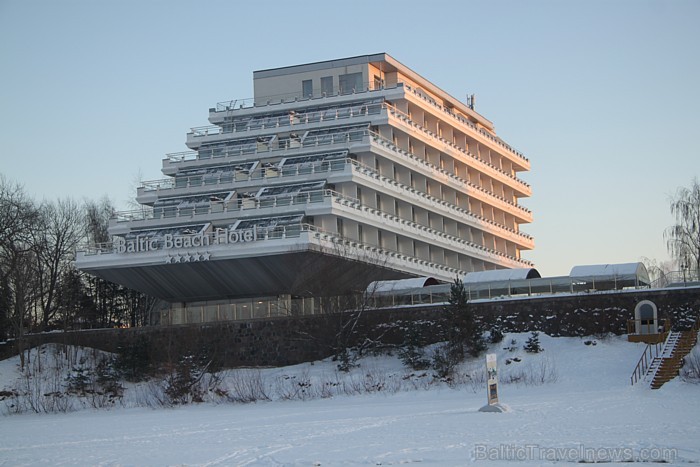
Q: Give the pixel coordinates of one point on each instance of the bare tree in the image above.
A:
(97, 215)
(18, 219)
(60, 231)
(683, 238)
(659, 272)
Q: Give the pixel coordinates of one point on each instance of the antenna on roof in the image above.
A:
(471, 100)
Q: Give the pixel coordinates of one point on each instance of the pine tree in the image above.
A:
(533, 343)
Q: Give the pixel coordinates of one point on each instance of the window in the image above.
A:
(378, 82)
(306, 88)
(339, 226)
(352, 82)
(327, 86)
(360, 237)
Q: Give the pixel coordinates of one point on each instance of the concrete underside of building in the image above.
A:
(299, 273)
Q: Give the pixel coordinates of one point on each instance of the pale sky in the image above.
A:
(603, 97)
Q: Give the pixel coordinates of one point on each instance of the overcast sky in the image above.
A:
(603, 97)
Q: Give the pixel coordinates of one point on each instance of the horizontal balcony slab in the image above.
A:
(313, 262)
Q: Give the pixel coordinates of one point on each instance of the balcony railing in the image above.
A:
(237, 205)
(236, 104)
(360, 135)
(327, 139)
(240, 205)
(386, 143)
(465, 121)
(436, 202)
(421, 230)
(276, 99)
(263, 173)
(335, 165)
(406, 119)
(288, 120)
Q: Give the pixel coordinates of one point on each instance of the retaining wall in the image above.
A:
(286, 341)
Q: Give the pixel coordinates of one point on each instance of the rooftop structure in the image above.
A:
(334, 175)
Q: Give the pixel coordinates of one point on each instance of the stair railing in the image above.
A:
(650, 352)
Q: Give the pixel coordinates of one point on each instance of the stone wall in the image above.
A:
(286, 341)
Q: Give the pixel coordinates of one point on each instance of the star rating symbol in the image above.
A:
(188, 258)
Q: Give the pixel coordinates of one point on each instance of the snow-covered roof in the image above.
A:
(400, 284)
(622, 271)
(497, 275)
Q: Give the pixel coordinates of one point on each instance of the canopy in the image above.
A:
(497, 275)
(632, 272)
(400, 284)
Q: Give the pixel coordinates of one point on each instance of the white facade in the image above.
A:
(357, 168)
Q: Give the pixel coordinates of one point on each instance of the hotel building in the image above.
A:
(334, 175)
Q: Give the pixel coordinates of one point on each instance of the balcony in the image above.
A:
(487, 168)
(285, 120)
(422, 232)
(292, 167)
(460, 214)
(330, 137)
(464, 121)
(522, 213)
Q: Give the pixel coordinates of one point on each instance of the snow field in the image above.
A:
(585, 411)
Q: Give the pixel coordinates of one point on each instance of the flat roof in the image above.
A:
(393, 65)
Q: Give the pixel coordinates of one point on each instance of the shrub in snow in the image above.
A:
(446, 357)
(496, 334)
(183, 386)
(690, 372)
(533, 343)
(543, 371)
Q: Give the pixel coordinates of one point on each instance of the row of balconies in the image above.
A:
(419, 231)
(297, 201)
(226, 107)
(468, 123)
(344, 113)
(288, 119)
(360, 135)
(318, 138)
(481, 193)
(338, 165)
(486, 167)
(406, 192)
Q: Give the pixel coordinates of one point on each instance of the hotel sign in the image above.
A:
(144, 243)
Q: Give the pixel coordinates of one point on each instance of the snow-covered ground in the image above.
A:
(585, 410)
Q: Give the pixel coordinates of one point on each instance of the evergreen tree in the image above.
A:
(412, 353)
(464, 331)
(533, 343)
